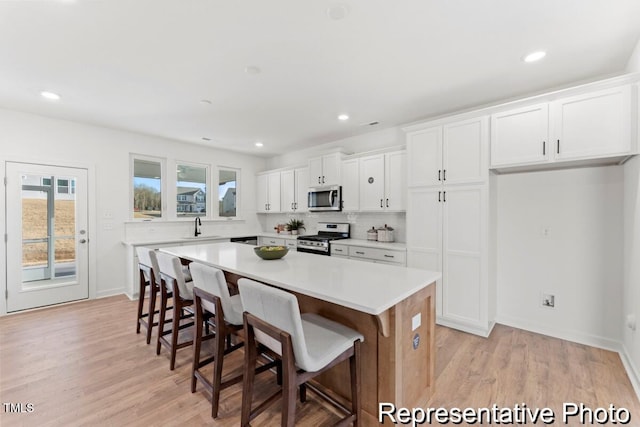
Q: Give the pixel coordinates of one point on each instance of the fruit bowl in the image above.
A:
(271, 252)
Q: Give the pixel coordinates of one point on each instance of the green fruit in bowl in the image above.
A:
(272, 248)
(271, 252)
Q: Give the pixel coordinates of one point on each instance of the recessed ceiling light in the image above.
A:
(337, 12)
(343, 117)
(535, 56)
(252, 70)
(259, 144)
(50, 95)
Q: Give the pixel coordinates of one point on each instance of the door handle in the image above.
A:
(439, 175)
(544, 148)
(444, 196)
(83, 240)
(558, 150)
(319, 180)
(439, 196)
(381, 203)
(444, 174)
(387, 202)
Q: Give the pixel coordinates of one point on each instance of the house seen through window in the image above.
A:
(227, 192)
(191, 190)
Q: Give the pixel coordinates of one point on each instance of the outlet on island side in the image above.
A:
(548, 300)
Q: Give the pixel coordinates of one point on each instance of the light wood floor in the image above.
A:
(83, 364)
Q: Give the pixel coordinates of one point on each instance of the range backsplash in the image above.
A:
(360, 222)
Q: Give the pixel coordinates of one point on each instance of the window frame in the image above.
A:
(174, 183)
(163, 186)
(216, 185)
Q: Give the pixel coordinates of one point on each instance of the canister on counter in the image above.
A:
(372, 234)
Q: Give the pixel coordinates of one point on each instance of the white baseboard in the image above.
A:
(111, 292)
(633, 372)
(577, 337)
(465, 327)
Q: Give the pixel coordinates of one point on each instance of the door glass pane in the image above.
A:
(227, 189)
(147, 180)
(191, 190)
(48, 230)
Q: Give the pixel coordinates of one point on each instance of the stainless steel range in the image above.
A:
(319, 243)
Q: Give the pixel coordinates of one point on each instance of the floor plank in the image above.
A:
(83, 364)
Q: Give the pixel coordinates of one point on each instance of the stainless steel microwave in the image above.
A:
(327, 198)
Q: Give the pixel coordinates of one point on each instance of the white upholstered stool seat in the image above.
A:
(215, 306)
(307, 344)
(181, 292)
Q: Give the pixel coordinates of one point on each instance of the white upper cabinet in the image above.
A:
(425, 164)
(520, 136)
(592, 125)
(455, 153)
(293, 190)
(350, 185)
(268, 192)
(588, 126)
(383, 182)
(325, 170)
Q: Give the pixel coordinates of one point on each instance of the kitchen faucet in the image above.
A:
(198, 223)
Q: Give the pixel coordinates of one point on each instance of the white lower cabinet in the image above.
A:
(447, 230)
(291, 244)
(376, 255)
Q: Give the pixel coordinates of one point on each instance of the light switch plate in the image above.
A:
(416, 321)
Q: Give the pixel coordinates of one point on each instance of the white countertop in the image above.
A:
(366, 287)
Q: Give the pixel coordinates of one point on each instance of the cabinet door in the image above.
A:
(273, 204)
(425, 157)
(463, 235)
(424, 233)
(315, 172)
(350, 185)
(372, 183)
(520, 136)
(262, 196)
(302, 189)
(287, 191)
(465, 151)
(592, 125)
(331, 165)
(395, 181)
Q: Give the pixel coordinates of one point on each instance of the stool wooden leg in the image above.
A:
(174, 333)
(289, 387)
(197, 342)
(217, 368)
(141, 291)
(354, 368)
(163, 314)
(250, 356)
(153, 294)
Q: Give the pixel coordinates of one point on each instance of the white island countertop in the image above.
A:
(370, 288)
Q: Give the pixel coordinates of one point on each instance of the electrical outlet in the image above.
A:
(548, 300)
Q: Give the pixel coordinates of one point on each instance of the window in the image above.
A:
(147, 187)
(46, 182)
(63, 186)
(73, 186)
(191, 190)
(227, 192)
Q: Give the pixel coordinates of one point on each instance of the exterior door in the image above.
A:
(47, 250)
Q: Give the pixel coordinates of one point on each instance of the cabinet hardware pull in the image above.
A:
(544, 148)
(444, 174)
(381, 203)
(439, 196)
(389, 256)
(360, 253)
(439, 172)
(319, 180)
(444, 196)
(296, 205)
(558, 150)
(387, 202)
(323, 179)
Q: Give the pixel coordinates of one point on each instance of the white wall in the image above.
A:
(27, 137)
(631, 290)
(356, 144)
(579, 261)
(633, 65)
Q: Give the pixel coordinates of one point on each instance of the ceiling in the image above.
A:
(280, 71)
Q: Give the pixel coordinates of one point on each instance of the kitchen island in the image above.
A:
(393, 307)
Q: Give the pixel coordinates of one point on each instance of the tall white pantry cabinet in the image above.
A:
(448, 215)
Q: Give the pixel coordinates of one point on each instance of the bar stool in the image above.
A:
(214, 304)
(307, 344)
(149, 278)
(171, 271)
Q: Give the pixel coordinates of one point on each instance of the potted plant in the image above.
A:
(295, 225)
